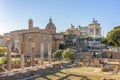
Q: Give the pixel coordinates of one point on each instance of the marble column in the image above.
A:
(9, 71)
(49, 55)
(94, 32)
(22, 59)
(33, 57)
(42, 56)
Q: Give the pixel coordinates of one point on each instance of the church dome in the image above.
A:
(51, 27)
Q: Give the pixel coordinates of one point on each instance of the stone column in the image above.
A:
(33, 57)
(49, 55)
(22, 58)
(42, 56)
(9, 72)
(94, 32)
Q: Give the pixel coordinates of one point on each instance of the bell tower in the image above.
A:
(30, 23)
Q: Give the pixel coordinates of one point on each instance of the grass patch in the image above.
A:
(50, 75)
(91, 72)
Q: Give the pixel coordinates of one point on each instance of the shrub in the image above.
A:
(68, 54)
(57, 54)
(15, 60)
(3, 50)
(3, 60)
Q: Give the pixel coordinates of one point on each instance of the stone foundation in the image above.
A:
(20, 76)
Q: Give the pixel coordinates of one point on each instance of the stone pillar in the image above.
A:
(9, 72)
(49, 55)
(33, 57)
(42, 56)
(22, 58)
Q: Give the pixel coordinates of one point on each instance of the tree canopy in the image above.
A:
(113, 36)
(104, 40)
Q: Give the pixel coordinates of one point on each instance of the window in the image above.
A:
(45, 38)
(29, 38)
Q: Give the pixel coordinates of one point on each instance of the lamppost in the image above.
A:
(9, 72)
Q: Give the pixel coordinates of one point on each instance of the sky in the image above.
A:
(14, 14)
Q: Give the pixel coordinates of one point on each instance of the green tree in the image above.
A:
(113, 37)
(57, 54)
(104, 40)
(68, 54)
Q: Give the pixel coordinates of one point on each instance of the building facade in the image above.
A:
(37, 36)
(92, 30)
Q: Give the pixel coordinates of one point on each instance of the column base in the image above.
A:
(33, 68)
(22, 71)
(42, 67)
(50, 65)
(9, 73)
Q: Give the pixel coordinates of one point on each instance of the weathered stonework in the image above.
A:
(20, 76)
(37, 35)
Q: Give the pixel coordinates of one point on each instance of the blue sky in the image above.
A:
(14, 14)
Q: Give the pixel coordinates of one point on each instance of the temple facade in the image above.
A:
(37, 36)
